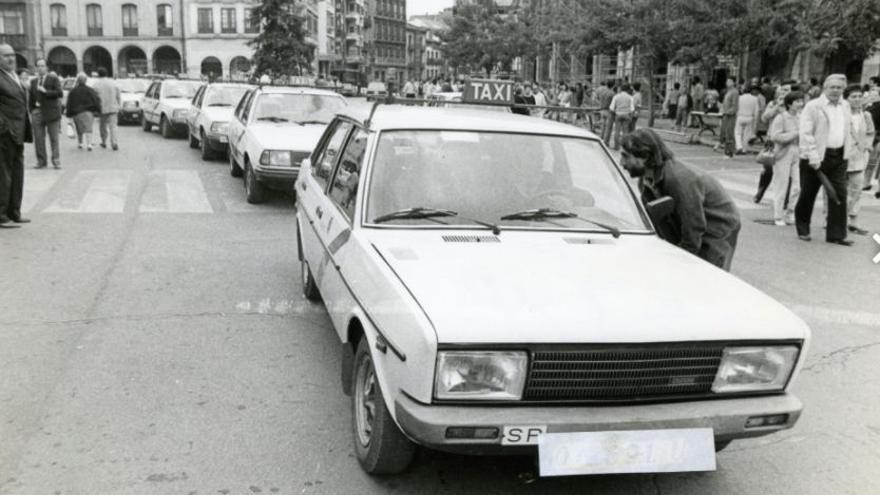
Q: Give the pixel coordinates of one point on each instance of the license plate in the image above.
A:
(224, 139)
(611, 452)
(522, 435)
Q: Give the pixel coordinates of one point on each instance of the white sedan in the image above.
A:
(209, 116)
(272, 130)
(498, 288)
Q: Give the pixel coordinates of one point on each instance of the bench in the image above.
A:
(707, 122)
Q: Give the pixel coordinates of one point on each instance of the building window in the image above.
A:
(251, 23)
(11, 20)
(58, 18)
(206, 20)
(164, 20)
(227, 20)
(129, 20)
(94, 20)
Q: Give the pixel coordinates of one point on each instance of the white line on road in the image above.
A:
(93, 191)
(184, 192)
(834, 316)
(36, 185)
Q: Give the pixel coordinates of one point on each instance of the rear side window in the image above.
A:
(325, 158)
(344, 189)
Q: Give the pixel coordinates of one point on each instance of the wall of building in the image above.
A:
(22, 30)
(204, 48)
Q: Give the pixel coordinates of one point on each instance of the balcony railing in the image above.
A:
(96, 31)
(129, 31)
(18, 41)
(166, 31)
(59, 31)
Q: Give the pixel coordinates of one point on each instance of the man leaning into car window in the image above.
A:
(705, 221)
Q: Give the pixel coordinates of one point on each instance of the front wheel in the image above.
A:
(309, 287)
(164, 128)
(145, 124)
(193, 142)
(379, 445)
(205, 148)
(255, 192)
(234, 169)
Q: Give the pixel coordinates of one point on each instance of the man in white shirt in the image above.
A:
(747, 114)
(825, 140)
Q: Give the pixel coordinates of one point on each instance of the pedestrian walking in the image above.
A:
(109, 95)
(409, 89)
(682, 110)
(15, 130)
(83, 104)
(698, 94)
(872, 105)
(705, 222)
(747, 113)
(604, 95)
(775, 108)
(637, 105)
(728, 118)
(711, 101)
(623, 108)
(783, 133)
(863, 137)
(825, 141)
(523, 96)
(671, 101)
(563, 99)
(44, 103)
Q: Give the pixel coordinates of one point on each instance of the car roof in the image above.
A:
(297, 90)
(230, 85)
(399, 117)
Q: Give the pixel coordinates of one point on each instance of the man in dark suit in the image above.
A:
(15, 130)
(45, 106)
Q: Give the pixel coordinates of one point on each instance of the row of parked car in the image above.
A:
(498, 287)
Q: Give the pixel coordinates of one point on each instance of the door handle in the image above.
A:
(302, 185)
(319, 212)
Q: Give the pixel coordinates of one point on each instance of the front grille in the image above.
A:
(615, 374)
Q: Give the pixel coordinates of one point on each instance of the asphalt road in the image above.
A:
(154, 340)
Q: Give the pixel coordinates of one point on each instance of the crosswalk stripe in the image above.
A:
(36, 185)
(182, 191)
(93, 191)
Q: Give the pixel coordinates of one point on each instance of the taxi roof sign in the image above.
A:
(488, 91)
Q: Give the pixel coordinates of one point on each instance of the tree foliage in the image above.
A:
(281, 47)
(479, 38)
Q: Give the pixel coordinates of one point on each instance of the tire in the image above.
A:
(721, 445)
(234, 169)
(164, 128)
(309, 287)
(256, 192)
(193, 142)
(204, 148)
(379, 445)
(145, 124)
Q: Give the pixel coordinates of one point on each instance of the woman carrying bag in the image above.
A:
(783, 134)
(83, 104)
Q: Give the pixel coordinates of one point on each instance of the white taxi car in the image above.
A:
(131, 94)
(272, 130)
(209, 116)
(166, 104)
(498, 288)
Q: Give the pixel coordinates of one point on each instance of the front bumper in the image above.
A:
(427, 424)
(217, 143)
(276, 177)
(129, 115)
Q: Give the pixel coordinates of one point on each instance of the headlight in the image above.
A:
(480, 375)
(180, 113)
(276, 158)
(754, 369)
(219, 127)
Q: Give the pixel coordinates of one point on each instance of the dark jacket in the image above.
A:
(14, 118)
(82, 99)
(705, 221)
(523, 100)
(50, 101)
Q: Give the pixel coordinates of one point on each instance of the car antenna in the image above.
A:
(372, 111)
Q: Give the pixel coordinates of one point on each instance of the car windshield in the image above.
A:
(290, 107)
(487, 176)
(224, 96)
(180, 89)
(132, 85)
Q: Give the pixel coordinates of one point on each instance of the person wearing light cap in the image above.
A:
(824, 143)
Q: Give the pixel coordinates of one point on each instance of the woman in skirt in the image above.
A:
(83, 104)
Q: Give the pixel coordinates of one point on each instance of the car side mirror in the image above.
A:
(660, 208)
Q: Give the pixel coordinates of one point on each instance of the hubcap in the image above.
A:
(365, 401)
(305, 272)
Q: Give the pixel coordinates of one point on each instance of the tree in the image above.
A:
(479, 38)
(280, 48)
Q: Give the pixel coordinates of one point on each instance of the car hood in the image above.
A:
(550, 288)
(218, 114)
(287, 136)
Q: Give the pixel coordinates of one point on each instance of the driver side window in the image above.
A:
(344, 188)
(324, 159)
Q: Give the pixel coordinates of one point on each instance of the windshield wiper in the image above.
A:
(304, 122)
(545, 213)
(422, 212)
(273, 119)
(219, 104)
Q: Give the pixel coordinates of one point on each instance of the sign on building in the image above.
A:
(488, 91)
